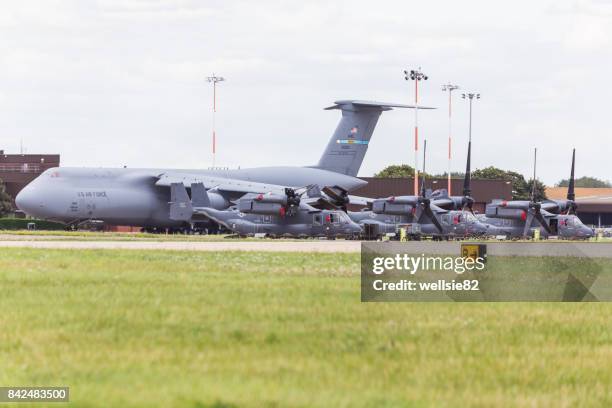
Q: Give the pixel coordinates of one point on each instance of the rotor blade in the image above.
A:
(423, 175)
(433, 218)
(533, 187)
(542, 221)
(444, 202)
(335, 192)
(467, 180)
(570, 188)
(418, 213)
(528, 223)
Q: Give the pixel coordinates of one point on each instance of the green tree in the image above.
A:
(521, 188)
(586, 182)
(454, 175)
(396, 171)
(540, 190)
(6, 205)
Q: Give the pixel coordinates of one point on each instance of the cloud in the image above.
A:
(114, 82)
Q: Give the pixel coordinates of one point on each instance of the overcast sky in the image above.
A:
(122, 82)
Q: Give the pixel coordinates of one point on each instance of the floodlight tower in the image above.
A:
(214, 80)
(449, 88)
(470, 96)
(416, 75)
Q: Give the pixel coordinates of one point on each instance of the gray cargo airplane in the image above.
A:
(519, 218)
(141, 197)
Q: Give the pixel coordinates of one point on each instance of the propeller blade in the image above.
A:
(528, 223)
(338, 195)
(468, 203)
(533, 187)
(434, 219)
(542, 221)
(467, 180)
(571, 196)
(423, 176)
(418, 213)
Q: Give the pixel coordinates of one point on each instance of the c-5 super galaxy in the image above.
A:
(141, 197)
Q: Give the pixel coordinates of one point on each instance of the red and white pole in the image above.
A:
(450, 88)
(450, 154)
(214, 79)
(214, 133)
(416, 138)
(416, 76)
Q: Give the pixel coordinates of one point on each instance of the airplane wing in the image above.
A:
(221, 184)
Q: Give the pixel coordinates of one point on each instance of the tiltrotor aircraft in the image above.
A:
(141, 197)
(519, 218)
(435, 213)
(274, 215)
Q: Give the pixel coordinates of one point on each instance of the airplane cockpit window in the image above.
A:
(333, 218)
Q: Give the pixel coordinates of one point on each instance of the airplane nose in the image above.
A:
(27, 201)
(24, 200)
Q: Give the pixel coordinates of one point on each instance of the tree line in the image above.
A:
(521, 187)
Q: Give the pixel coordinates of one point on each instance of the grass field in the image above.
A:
(196, 329)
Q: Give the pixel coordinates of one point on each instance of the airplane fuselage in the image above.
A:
(140, 197)
(567, 226)
(454, 223)
(325, 223)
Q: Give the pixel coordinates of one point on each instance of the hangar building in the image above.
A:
(594, 204)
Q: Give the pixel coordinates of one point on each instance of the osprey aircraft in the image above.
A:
(274, 215)
(142, 197)
(519, 218)
(426, 210)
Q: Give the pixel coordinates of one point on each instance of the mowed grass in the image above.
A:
(145, 328)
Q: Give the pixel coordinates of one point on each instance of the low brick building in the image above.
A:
(17, 170)
(483, 191)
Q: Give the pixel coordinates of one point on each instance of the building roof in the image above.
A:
(583, 194)
(589, 200)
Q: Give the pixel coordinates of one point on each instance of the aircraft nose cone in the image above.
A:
(26, 201)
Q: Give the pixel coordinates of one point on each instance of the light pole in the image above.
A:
(466, 190)
(214, 79)
(416, 75)
(450, 88)
(471, 97)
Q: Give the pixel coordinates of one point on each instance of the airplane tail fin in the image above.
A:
(199, 196)
(349, 143)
